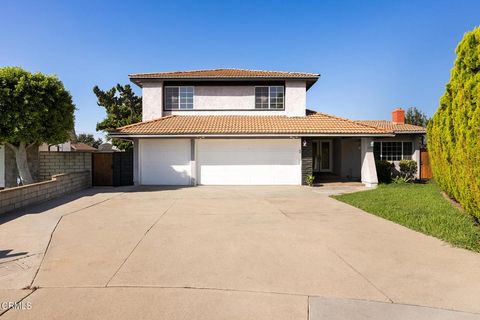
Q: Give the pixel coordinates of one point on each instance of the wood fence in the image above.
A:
(425, 168)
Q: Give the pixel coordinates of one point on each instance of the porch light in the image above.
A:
(304, 142)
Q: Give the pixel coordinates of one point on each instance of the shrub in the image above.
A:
(454, 131)
(384, 171)
(401, 180)
(408, 169)
(309, 180)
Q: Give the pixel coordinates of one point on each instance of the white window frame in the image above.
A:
(165, 98)
(403, 154)
(269, 107)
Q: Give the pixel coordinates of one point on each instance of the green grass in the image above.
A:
(420, 207)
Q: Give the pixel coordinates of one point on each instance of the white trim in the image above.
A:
(165, 98)
(397, 141)
(269, 108)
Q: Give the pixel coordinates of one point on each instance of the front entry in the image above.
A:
(322, 155)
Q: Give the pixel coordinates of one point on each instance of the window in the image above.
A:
(179, 98)
(407, 150)
(393, 150)
(269, 97)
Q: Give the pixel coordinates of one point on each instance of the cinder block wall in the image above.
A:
(52, 163)
(61, 184)
(11, 172)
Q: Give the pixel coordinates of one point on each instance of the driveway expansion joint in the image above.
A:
(55, 228)
(361, 274)
(139, 241)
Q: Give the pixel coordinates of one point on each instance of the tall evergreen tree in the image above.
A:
(416, 117)
(454, 131)
(123, 107)
(89, 139)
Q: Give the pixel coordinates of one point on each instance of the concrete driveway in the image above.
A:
(226, 253)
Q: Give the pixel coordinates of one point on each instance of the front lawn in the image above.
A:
(420, 207)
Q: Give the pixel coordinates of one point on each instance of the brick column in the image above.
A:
(307, 159)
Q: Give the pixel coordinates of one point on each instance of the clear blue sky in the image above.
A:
(372, 55)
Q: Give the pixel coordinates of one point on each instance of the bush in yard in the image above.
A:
(408, 169)
(384, 171)
(309, 180)
(454, 131)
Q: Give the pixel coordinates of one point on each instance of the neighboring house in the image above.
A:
(8, 166)
(246, 127)
(82, 147)
(67, 147)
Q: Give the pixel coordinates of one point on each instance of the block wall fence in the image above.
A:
(58, 185)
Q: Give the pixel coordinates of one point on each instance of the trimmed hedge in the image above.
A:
(454, 131)
(384, 171)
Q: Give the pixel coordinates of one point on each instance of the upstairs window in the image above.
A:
(393, 150)
(179, 98)
(271, 97)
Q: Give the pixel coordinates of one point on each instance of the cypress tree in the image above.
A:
(454, 131)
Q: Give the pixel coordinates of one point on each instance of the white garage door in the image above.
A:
(249, 161)
(164, 161)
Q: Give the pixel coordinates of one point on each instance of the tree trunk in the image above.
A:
(22, 163)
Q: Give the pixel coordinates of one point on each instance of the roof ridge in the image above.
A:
(177, 71)
(220, 69)
(391, 122)
(354, 121)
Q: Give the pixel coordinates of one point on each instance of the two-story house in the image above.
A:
(247, 127)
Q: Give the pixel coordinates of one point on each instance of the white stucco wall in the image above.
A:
(368, 171)
(295, 98)
(224, 97)
(223, 100)
(351, 158)
(152, 100)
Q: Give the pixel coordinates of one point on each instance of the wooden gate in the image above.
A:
(102, 169)
(112, 169)
(425, 168)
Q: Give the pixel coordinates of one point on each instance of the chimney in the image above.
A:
(398, 116)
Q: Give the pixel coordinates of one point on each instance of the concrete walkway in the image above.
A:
(226, 252)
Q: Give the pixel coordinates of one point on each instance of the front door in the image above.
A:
(322, 156)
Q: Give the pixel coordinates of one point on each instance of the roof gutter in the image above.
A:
(282, 135)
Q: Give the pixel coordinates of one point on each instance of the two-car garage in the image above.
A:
(213, 161)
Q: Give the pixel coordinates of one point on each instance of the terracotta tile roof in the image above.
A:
(223, 74)
(315, 123)
(395, 127)
(80, 146)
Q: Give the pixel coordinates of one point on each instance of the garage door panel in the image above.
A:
(249, 162)
(165, 161)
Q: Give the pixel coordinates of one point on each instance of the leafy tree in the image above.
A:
(123, 107)
(416, 117)
(34, 108)
(89, 139)
(454, 131)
